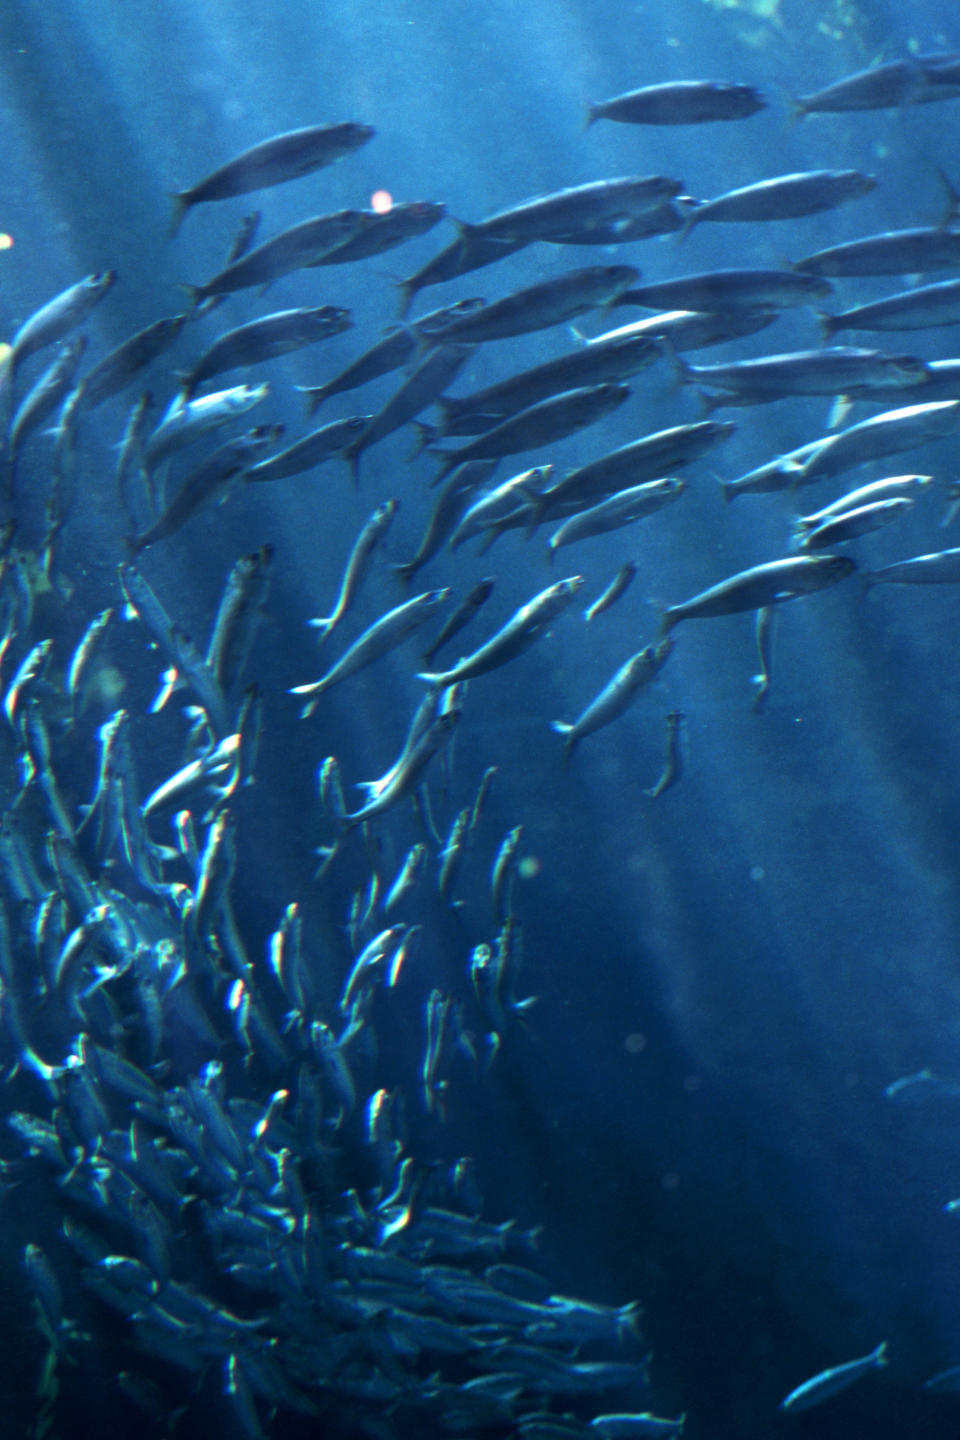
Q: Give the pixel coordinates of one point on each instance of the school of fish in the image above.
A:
(217, 1127)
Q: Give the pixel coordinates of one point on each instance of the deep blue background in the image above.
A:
(781, 928)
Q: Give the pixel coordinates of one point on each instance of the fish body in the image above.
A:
(839, 370)
(882, 87)
(378, 232)
(524, 627)
(446, 514)
(830, 1382)
(907, 485)
(850, 524)
(618, 586)
(623, 508)
(539, 306)
(272, 162)
(208, 479)
(723, 291)
(293, 249)
(186, 420)
(887, 434)
(893, 252)
(238, 616)
(680, 102)
(468, 608)
(784, 197)
(117, 369)
(923, 307)
(768, 584)
(357, 565)
(53, 387)
(539, 424)
(377, 640)
(310, 451)
(617, 695)
(267, 338)
(641, 460)
(493, 507)
(60, 315)
(689, 329)
(419, 390)
(940, 567)
(616, 358)
(553, 216)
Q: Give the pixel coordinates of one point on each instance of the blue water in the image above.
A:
(727, 977)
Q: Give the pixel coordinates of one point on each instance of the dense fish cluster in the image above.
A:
(224, 1133)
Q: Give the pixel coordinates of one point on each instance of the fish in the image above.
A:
(451, 503)
(838, 370)
(272, 162)
(889, 433)
(618, 586)
(922, 307)
(238, 617)
(309, 451)
(892, 252)
(50, 391)
(421, 387)
(539, 306)
(115, 371)
(831, 1382)
(672, 770)
(175, 643)
(729, 291)
(186, 420)
(60, 315)
(554, 216)
(524, 627)
(622, 508)
(494, 507)
(940, 567)
(680, 102)
(225, 465)
(539, 424)
(371, 535)
(849, 524)
(614, 357)
(476, 597)
(379, 231)
(768, 584)
(616, 696)
(784, 197)
(292, 249)
(881, 87)
(377, 640)
(763, 638)
(266, 338)
(392, 351)
(636, 463)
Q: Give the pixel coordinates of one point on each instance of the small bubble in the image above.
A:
(381, 202)
(757, 872)
(635, 1043)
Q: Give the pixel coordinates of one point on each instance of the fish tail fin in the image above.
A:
(829, 325)
(560, 727)
(592, 115)
(426, 435)
(796, 111)
(323, 623)
(689, 220)
(952, 211)
(196, 292)
(314, 396)
(880, 1354)
(406, 570)
(181, 205)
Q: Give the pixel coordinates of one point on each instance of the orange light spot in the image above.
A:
(6, 241)
(381, 201)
